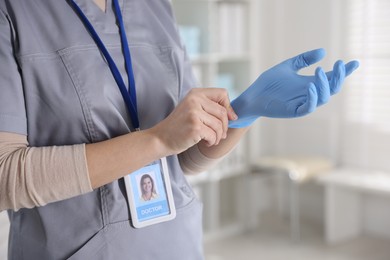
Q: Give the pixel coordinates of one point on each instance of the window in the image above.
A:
(367, 107)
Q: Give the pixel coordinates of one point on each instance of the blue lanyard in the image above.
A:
(129, 96)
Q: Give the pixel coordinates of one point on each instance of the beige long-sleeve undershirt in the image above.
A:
(36, 176)
(31, 176)
(193, 161)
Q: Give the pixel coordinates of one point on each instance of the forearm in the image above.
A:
(234, 135)
(35, 176)
(112, 159)
(200, 116)
(202, 157)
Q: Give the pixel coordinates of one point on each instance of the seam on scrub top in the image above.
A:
(168, 60)
(15, 251)
(90, 127)
(82, 98)
(105, 215)
(37, 56)
(75, 48)
(178, 74)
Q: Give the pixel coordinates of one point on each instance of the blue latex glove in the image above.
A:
(281, 93)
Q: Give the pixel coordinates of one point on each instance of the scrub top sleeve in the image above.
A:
(12, 107)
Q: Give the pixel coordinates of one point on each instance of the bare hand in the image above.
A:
(202, 115)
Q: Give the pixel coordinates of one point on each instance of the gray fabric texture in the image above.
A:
(58, 90)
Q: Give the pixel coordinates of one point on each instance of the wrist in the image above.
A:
(158, 142)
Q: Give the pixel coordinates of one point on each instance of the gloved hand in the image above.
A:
(281, 93)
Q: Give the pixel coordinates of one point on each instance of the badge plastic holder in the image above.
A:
(157, 208)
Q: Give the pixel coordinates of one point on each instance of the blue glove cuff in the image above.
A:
(238, 105)
(240, 123)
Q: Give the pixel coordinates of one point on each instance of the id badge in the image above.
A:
(149, 194)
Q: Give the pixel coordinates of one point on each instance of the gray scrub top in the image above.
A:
(56, 87)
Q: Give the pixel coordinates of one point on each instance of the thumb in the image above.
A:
(221, 96)
(307, 58)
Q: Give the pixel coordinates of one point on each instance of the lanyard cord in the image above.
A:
(129, 96)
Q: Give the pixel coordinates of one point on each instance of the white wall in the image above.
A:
(287, 28)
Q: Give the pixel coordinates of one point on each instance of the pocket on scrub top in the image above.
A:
(93, 247)
(156, 79)
(160, 241)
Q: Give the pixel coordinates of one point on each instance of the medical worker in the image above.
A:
(91, 91)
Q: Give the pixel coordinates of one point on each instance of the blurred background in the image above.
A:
(316, 187)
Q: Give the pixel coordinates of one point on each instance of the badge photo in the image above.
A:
(149, 194)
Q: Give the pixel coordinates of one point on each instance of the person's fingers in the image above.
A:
(338, 77)
(208, 105)
(220, 96)
(215, 124)
(208, 135)
(307, 58)
(311, 101)
(220, 113)
(322, 85)
(231, 113)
